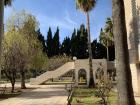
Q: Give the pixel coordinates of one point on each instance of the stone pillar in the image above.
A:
(94, 75)
(76, 77)
(88, 76)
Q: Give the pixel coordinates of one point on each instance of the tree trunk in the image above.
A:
(13, 87)
(124, 79)
(23, 86)
(91, 81)
(1, 25)
(107, 49)
(13, 80)
(107, 53)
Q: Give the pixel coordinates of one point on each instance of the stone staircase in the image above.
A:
(52, 74)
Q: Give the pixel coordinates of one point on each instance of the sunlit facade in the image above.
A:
(132, 13)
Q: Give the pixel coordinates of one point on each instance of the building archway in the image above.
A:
(82, 77)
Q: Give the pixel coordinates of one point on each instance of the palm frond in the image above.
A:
(85, 5)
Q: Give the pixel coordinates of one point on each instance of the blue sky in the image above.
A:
(62, 13)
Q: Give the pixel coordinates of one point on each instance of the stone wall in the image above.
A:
(84, 64)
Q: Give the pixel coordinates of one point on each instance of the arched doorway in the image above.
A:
(82, 77)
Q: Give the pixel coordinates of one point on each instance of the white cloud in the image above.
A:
(69, 20)
(65, 23)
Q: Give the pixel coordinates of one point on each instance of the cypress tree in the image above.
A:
(49, 42)
(66, 46)
(74, 44)
(42, 40)
(83, 43)
(93, 45)
(78, 50)
(98, 50)
(56, 43)
(79, 43)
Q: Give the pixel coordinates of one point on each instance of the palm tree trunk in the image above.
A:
(107, 51)
(91, 81)
(124, 79)
(1, 25)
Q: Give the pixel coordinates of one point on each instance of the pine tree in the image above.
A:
(49, 42)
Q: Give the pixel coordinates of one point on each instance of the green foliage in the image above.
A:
(104, 86)
(106, 36)
(17, 45)
(39, 61)
(14, 54)
(86, 96)
(22, 49)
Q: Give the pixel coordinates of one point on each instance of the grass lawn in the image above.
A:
(57, 81)
(86, 96)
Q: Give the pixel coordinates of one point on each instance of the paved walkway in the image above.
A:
(44, 95)
(137, 99)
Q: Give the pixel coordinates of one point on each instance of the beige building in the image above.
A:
(132, 13)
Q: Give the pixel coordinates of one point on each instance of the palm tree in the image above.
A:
(124, 79)
(106, 36)
(2, 4)
(86, 6)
